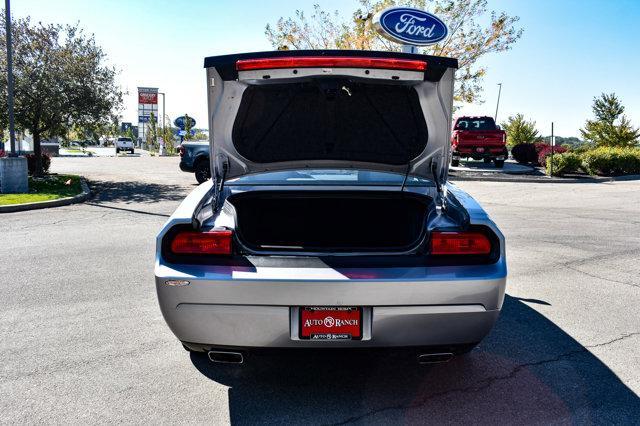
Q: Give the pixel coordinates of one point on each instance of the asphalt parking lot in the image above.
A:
(83, 339)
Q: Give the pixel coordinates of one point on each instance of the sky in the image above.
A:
(571, 50)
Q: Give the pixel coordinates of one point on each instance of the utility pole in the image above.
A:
(495, 118)
(12, 129)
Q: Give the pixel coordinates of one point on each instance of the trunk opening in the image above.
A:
(330, 221)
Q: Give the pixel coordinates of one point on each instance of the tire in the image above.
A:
(117, 151)
(202, 172)
(455, 163)
(132, 151)
(498, 163)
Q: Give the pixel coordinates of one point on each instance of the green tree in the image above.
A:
(60, 80)
(152, 133)
(474, 32)
(167, 135)
(520, 130)
(610, 126)
(188, 124)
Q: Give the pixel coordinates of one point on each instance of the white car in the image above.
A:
(124, 144)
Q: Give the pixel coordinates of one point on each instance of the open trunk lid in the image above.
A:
(334, 109)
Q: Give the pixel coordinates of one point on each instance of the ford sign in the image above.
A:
(410, 26)
(181, 122)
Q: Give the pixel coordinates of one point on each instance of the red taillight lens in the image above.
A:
(211, 242)
(459, 243)
(330, 62)
(181, 150)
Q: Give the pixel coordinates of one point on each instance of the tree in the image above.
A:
(610, 126)
(188, 124)
(520, 130)
(167, 135)
(152, 132)
(468, 40)
(61, 80)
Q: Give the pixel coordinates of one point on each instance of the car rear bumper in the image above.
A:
(223, 306)
(498, 153)
(186, 167)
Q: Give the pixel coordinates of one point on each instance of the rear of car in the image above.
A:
(194, 158)
(329, 222)
(124, 144)
(478, 138)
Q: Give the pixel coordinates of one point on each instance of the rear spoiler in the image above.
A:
(227, 65)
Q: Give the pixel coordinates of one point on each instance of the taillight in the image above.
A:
(459, 243)
(181, 150)
(330, 62)
(194, 242)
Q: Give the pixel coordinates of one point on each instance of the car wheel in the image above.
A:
(117, 151)
(132, 151)
(499, 163)
(455, 163)
(202, 172)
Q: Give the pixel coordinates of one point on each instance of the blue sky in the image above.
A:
(571, 50)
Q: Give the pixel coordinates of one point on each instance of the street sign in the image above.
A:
(181, 122)
(124, 126)
(182, 132)
(410, 26)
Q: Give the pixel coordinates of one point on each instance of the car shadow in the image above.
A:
(527, 370)
(135, 192)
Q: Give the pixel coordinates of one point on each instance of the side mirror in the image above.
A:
(498, 127)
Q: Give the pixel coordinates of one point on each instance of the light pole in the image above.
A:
(498, 103)
(12, 130)
(164, 111)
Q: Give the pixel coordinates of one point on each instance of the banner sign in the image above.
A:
(147, 98)
(410, 26)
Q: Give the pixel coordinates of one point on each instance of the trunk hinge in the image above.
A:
(222, 168)
(440, 204)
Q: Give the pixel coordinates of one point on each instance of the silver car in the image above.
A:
(329, 221)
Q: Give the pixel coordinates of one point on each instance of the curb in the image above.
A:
(545, 179)
(50, 203)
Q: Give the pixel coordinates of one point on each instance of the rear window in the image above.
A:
(124, 139)
(330, 119)
(483, 123)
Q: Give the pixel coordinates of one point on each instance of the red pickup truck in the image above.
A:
(478, 138)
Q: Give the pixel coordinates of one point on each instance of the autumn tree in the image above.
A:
(61, 81)
(188, 124)
(470, 38)
(610, 127)
(519, 130)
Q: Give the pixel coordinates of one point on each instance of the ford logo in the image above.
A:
(410, 26)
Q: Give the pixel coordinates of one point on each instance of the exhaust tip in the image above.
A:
(225, 357)
(434, 358)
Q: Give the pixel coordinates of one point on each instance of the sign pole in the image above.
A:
(553, 142)
(495, 118)
(12, 129)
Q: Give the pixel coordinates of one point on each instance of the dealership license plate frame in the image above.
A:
(365, 330)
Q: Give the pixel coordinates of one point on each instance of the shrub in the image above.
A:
(612, 161)
(524, 153)
(568, 162)
(31, 163)
(545, 152)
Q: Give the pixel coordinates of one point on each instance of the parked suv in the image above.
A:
(124, 144)
(194, 158)
(478, 138)
(329, 221)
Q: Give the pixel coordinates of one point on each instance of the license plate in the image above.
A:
(330, 323)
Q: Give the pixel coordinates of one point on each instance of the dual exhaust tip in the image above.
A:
(227, 357)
